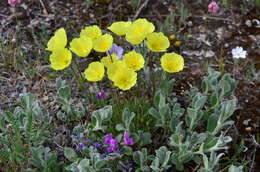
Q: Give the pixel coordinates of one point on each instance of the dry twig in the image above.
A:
(140, 9)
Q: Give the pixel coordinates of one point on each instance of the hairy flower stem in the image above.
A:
(235, 68)
(77, 75)
(80, 80)
(111, 58)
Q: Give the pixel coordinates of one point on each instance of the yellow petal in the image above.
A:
(81, 46)
(114, 68)
(133, 60)
(157, 42)
(60, 59)
(94, 72)
(103, 43)
(125, 79)
(92, 32)
(138, 31)
(172, 62)
(107, 61)
(58, 41)
(120, 28)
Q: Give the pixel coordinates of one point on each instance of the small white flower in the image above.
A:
(238, 52)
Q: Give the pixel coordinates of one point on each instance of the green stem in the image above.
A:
(79, 77)
(110, 58)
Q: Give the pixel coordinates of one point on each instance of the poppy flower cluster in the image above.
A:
(120, 68)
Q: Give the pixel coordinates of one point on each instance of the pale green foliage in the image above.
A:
(188, 140)
(91, 163)
(195, 134)
(69, 112)
(23, 131)
(233, 168)
(100, 116)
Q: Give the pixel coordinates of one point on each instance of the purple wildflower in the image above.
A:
(127, 139)
(127, 166)
(117, 50)
(101, 94)
(97, 145)
(108, 137)
(80, 145)
(74, 135)
(113, 145)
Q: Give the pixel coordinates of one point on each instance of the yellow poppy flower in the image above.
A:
(107, 61)
(133, 60)
(92, 32)
(172, 62)
(81, 46)
(120, 28)
(125, 79)
(60, 58)
(114, 68)
(58, 41)
(138, 31)
(103, 43)
(157, 42)
(94, 72)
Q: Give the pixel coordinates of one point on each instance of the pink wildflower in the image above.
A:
(127, 139)
(213, 7)
(14, 3)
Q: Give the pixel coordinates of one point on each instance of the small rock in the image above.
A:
(246, 122)
(209, 54)
(248, 23)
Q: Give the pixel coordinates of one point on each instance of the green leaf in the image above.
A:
(212, 123)
(175, 140)
(100, 163)
(70, 154)
(78, 129)
(100, 116)
(144, 138)
(4, 155)
(120, 127)
(233, 168)
(179, 167)
(84, 165)
(28, 124)
(185, 156)
(210, 143)
(227, 109)
(154, 113)
(162, 102)
(37, 159)
(227, 85)
(155, 164)
(198, 101)
(198, 138)
(72, 167)
(214, 100)
(164, 155)
(127, 118)
(61, 116)
(140, 157)
(64, 92)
